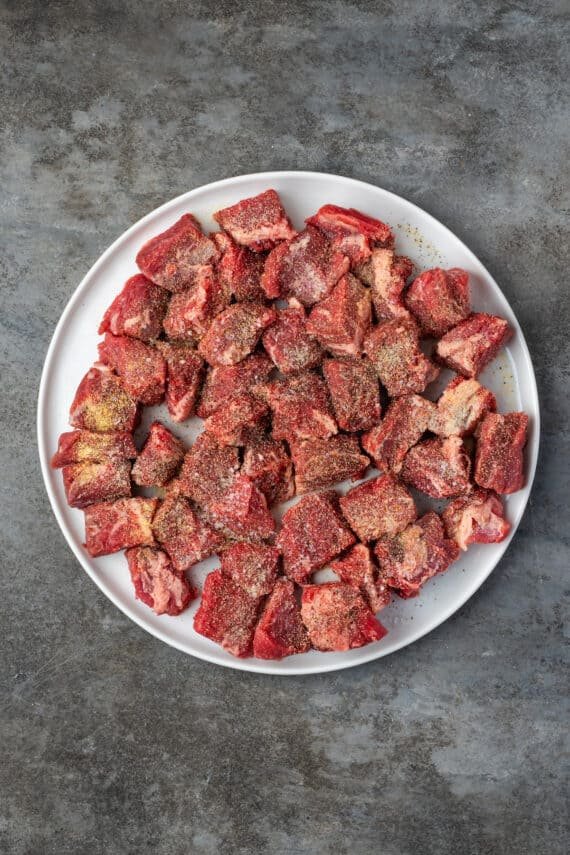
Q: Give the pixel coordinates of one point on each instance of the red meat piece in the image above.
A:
(186, 537)
(137, 311)
(354, 391)
(379, 506)
(312, 532)
(416, 554)
(235, 332)
(355, 246)
(89, 482)
(269, 466)
(323, 462)
(111, 526)
(337, 618)
(473, 343)
(175, 258)
(406, 420)
(301, 407)
(439, 299)
(252, 566)
(243, 511)
(334, 220)
(141, 367)
(387, 273)
(156, 582)
(79, 446)
(239, 269)
(207, 471)
(102, 404)
(160, 458)
(341, 320)
(499, 463)
(438, 467)
(461, 407)
(184, 372)
(224, 382)
(477, 518)
(227, 614)
(358, 569)
(280, 631)
(306, 268)
(258, 222)
(393, 348)
(190, 312)
(289, 344)
(238, 421)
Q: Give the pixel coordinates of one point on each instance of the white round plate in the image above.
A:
(73, 349)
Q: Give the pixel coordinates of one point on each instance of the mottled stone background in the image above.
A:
(110, 741)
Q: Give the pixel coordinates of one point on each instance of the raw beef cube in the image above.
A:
(406, 420)
(312, 532)
(438, 467)
(323, 462)
(235, 332)
(238, 421)
(301, 407)
(239, 269)
(258, 222)
(160, 458)
(269, 466)
(341, 320)
(183, 534)
(89, 482)
(243, 511)
(306, 268)
(358, 569)
(354, 391)
(140, 366)
(477, 518)
(137, 311)
(334, 220)
(156, 582)
(102, 404)
(175, 258)
(386, 273)
(280, 631)
(289, 344)
(252, 566)
(473, 343)
(184, 372)
(355, 246)
(394, 350)
(416, 554)
(224, 382)
(190, 312)
(208, 470)
(227, 614)
(78, 446)
(337, 618)
(439, 299)
(111, 526)
(379, 506)
(461, 407)
(499, 464)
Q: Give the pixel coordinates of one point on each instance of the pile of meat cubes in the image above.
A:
(302, 352)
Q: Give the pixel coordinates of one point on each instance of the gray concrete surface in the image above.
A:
(110, 741)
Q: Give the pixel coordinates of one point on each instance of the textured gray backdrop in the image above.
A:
(110, 741)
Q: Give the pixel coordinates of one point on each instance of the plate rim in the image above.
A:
(252, 664)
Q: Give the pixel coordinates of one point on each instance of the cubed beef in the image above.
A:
(499, 463)
(237, 421)
(289, 344)
(473, 343)
(224, 382)
(137, 311)
(358, 569)
(178, 256)
(156, 582)
(301, 407)
(341, 320)
(140, 367)
(438, 467)
(414, 555)
(355, 393)
(235, 332)
(227, 614)
(379, 506)
(461, 407)
(207, 471)
(476, 518)
(111, 526)
(439, 299)
(386, 273)
(336, 221)
(184, 373)
(79, 446)
(239, 269)
(269, 466)
(337, 618)
(323, 462)
(89, 482)
(186, 537)
(258, 222)
(252, 566)
(242, 511)
(406, 420)
(394, 350)
(280, 631)
(102, 404)
(159, 459)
